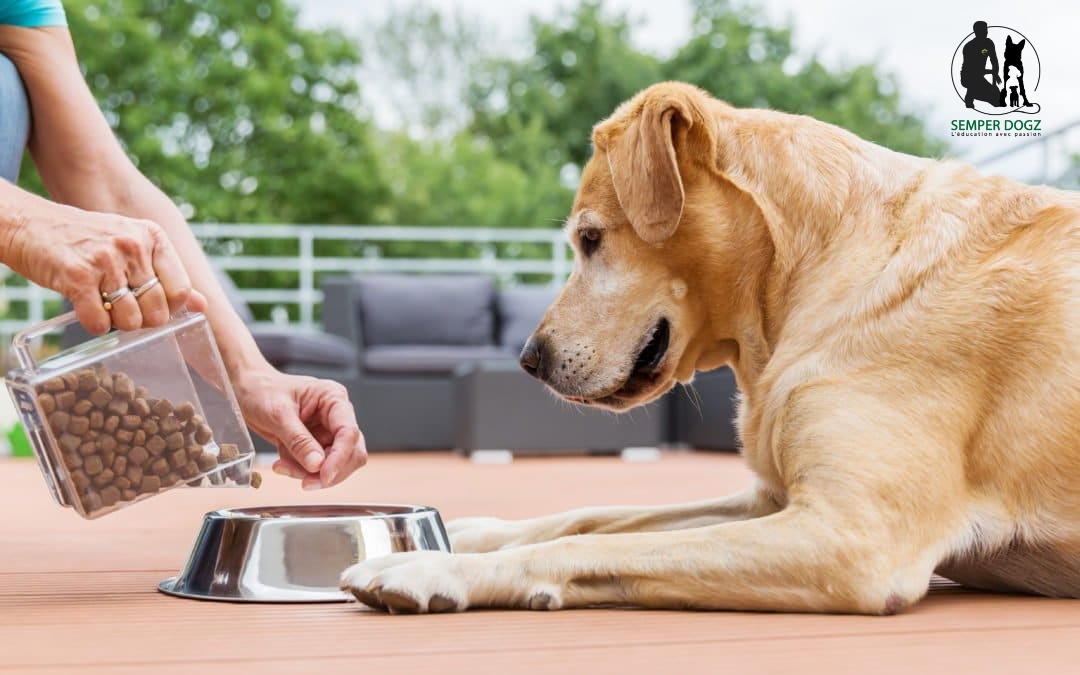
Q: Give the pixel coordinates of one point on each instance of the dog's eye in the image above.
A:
(590, 240)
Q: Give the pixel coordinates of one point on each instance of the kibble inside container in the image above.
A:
(130, 415)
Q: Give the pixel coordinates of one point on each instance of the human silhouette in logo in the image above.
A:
(1013, 60)
(1014, 98)
(973, 70)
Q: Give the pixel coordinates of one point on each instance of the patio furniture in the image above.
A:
(499, 406)
(430, 363)
(438, 368)
(410, 334)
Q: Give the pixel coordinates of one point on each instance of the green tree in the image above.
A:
(584, 65)
(440, 171)
(235, 111)
(579, 70)
(420, 59)
(737, 56)
(231, 108)
(462, 181)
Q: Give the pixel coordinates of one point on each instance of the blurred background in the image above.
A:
(312, 143)
(475, 114)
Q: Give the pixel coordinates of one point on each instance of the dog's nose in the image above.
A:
(532, 357)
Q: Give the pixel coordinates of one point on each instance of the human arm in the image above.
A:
(83, 165)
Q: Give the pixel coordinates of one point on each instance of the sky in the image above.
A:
(915, 41)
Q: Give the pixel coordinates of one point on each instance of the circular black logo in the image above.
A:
(996, 71)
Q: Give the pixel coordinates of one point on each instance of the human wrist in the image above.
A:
(242, 357)
(14, 217)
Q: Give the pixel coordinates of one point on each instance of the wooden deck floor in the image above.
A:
(78, 595)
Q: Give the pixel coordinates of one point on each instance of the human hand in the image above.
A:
(83, 254)
(311, 422)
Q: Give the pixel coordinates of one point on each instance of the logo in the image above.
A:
(996, 71)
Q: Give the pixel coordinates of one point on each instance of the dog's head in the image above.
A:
(632, 318)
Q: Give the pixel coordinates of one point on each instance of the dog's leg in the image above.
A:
(796, 560)
(1023, 92)
(479, 535)
(871, 510)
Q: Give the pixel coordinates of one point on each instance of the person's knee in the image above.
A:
(14, 119)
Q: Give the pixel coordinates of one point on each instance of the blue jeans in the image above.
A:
(14, 120)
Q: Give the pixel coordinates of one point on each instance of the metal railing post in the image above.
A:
(1040, 166)
(307, 278)
(36, 304)
(307, 266)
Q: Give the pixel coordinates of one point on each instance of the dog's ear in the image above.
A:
(643, 161)
(1022, 43)
(1008, 39)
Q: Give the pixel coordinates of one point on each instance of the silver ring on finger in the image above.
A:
(109, 299)
(141, 290)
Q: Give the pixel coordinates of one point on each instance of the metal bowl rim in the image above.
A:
(295, 513)
(169, 587)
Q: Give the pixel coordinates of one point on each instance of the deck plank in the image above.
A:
(82, 594)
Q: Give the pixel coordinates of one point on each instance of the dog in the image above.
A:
(1014, 61)
(1014, 97)
(905, 334)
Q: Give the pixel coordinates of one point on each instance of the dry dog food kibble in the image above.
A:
(119, 443)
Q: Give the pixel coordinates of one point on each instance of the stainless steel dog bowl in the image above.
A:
(297, 553)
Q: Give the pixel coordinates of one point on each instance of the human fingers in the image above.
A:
(170, 270)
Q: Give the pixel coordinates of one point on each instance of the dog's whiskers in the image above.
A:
(694, 396)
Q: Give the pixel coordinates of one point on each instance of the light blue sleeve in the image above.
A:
(32, 13)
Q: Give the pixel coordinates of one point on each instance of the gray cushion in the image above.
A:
(519, 311)
(428, 358)
(292, 346)
(426, 309)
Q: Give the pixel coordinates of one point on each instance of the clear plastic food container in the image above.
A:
(131, 414)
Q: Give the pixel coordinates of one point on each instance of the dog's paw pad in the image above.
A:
(544, 600)
(441, 603)
(397, 602)
(366, 597)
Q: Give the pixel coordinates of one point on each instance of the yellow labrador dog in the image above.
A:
(906, 338)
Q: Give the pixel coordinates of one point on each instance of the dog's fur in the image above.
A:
(906, 337)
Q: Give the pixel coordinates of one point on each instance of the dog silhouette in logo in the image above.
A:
(973, 70)
(1014, 98)
(1013, 60)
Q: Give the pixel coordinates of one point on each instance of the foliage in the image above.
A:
(241, 114)
(578, 72)
(464, 181)
(585, 65)
(417, 62)
(238, 113)
(737, 56)
(235, 111)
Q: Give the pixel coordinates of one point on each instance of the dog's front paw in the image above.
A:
(408, 583)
